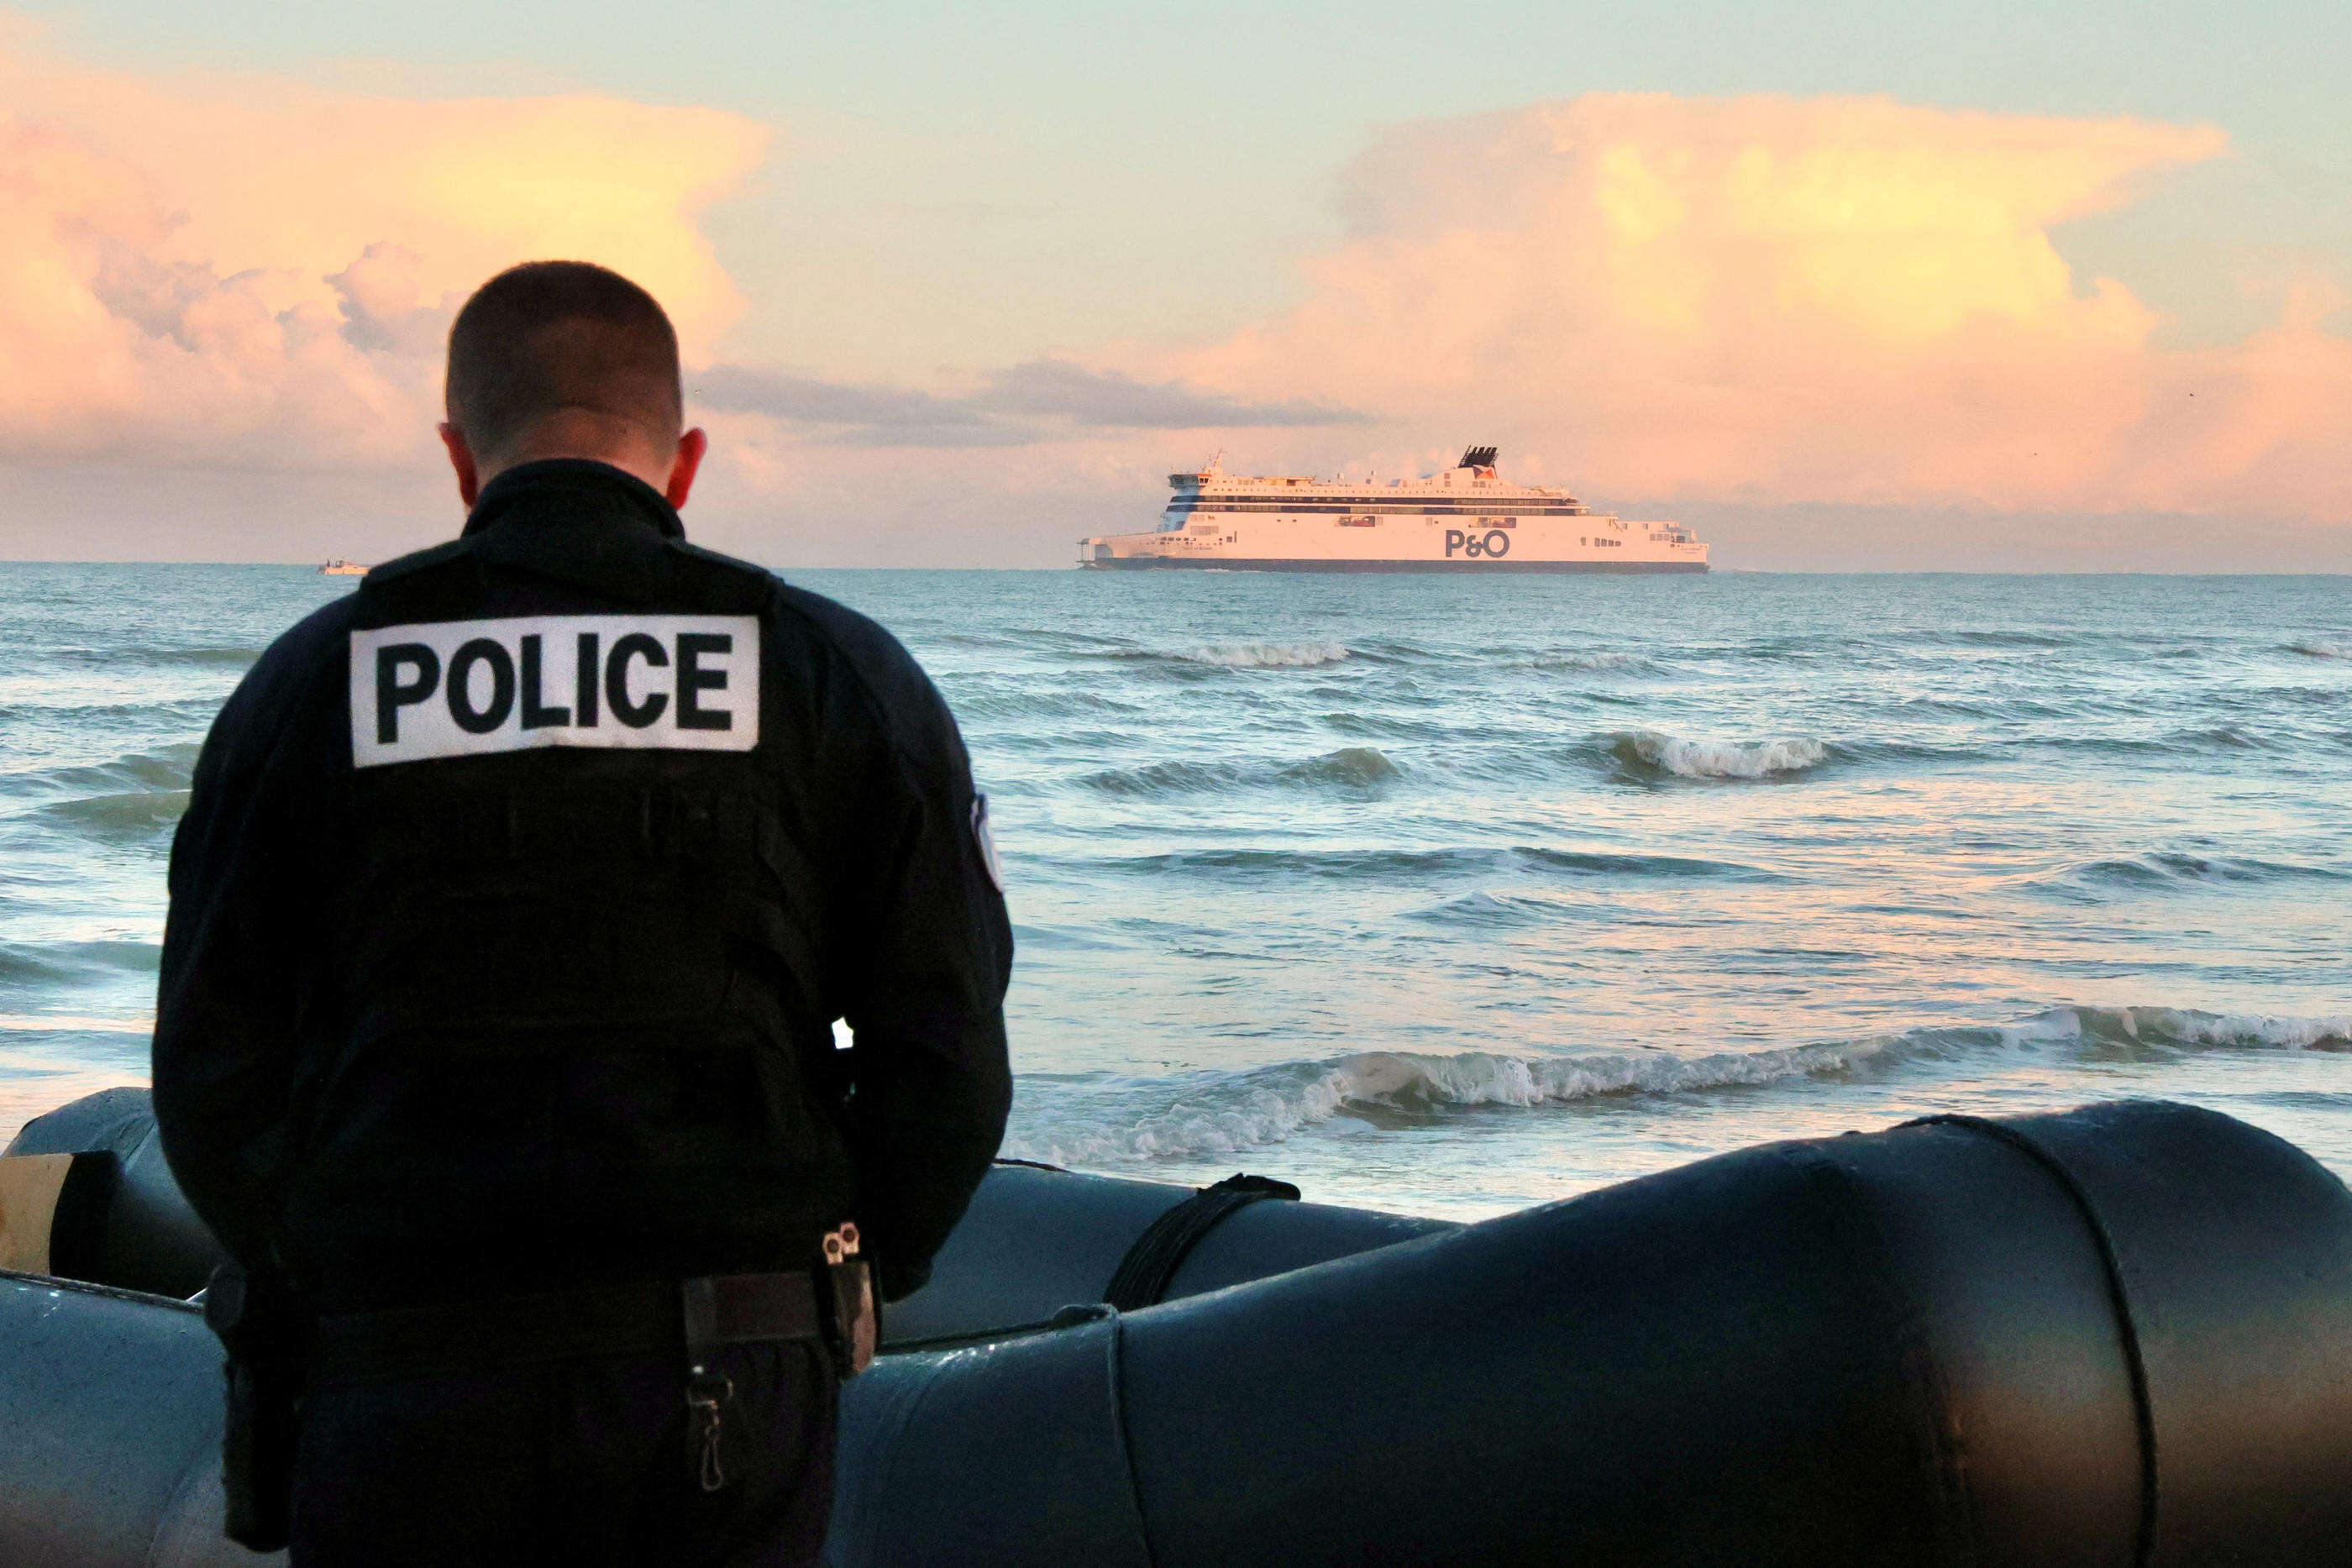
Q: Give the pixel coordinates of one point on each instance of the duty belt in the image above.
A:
(651, 1318)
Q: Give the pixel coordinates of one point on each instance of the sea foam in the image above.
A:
(1268, 655)
(1648, 750)
(1131, 1121)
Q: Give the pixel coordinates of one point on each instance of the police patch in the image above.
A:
(464, 688)
(987, 842)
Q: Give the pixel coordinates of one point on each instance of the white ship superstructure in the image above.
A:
(1464, 520)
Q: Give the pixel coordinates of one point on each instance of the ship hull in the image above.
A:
(1464, 520)
(1487, 568)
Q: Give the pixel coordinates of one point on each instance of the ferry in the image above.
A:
(342, 568)
(1463, 519)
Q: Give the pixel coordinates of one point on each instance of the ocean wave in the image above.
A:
(1650, 752)
(1380, 726)
(1055, 639)
(1129, 1121)
(2212, 737)
(137, 814)
(2319, 648)
(2228, 737)
(1589, 863)
(2163, 868)
(1268, 655)
(234, 657)
(1413, 866)
(76, 715)
(1603, 661)
(52, 962)
(2010, 706)
(164, 768)
(1995, 638)
(2173, 1029)
(1031, 938)
(1352, 767)
(1485, 909)
(1220, 1114)
(1038, 705)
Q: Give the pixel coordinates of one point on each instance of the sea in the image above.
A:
(1455, 894)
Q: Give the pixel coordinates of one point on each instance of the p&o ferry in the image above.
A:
(1464, 520)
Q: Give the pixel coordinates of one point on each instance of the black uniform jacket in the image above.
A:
(515, 899)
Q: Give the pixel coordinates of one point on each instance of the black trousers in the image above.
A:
(582, 1462)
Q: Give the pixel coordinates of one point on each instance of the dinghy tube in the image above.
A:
(2117, 1336)
(1034, 1239)
(2122, 1335)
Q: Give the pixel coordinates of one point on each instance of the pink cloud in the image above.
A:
(1765, 299)
(1645, 297)
(254, 272)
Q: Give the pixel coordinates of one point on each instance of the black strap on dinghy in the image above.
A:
(1143, 1276)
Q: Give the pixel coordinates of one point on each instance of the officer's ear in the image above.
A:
(690, 449)
(470, 473)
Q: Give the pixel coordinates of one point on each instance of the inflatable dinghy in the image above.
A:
(1034, 1241)
(2119, 1336)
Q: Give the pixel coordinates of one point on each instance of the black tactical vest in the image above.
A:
(582, 941)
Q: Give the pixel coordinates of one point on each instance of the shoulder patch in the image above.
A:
(466, 688)
(987, 842)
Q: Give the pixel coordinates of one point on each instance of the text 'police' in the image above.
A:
(460, 688)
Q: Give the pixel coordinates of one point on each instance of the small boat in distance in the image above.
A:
(342, 568)
(1463, 519)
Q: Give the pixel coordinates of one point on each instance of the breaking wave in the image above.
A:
(1599, 660)
(1651, 753)
(2316, 648)
(1071, 1121)
(1268, 655)
(1352, 767)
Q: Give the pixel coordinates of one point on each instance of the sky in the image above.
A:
(1987, 286)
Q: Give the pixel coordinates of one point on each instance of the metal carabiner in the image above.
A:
(704, 1395)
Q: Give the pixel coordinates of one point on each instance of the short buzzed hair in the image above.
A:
(548, 336)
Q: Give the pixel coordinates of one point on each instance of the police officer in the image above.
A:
(515, 901)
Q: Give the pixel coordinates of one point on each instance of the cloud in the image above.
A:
(1834, 302)
(250, 272)
(1825, 299)
(1045, 400)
